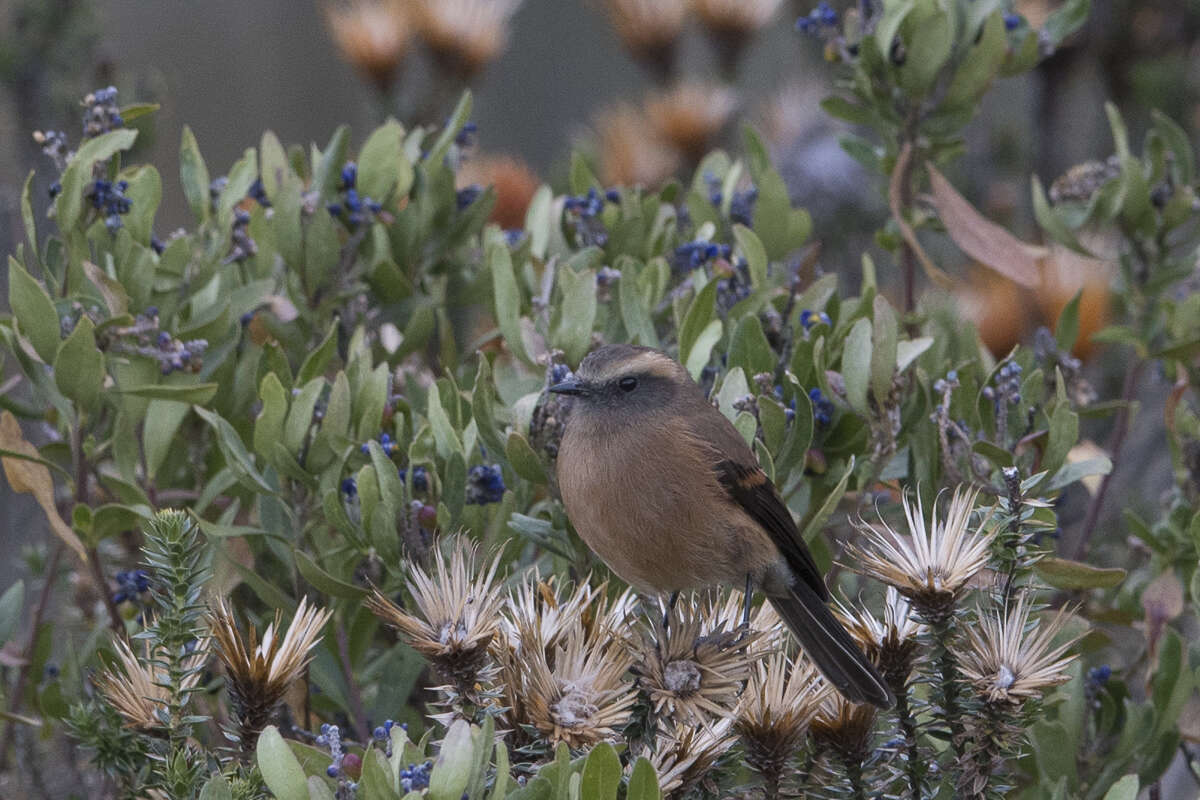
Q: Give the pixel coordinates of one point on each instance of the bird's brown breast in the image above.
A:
(645, 498)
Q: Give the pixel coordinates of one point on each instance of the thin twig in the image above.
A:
(93, 555)
(39, 612)
(1116, 441)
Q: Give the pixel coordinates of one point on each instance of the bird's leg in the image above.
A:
(670, 610)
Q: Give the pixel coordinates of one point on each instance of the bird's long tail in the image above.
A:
(831, 647)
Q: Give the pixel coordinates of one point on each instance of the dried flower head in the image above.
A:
(933, 565)
(513, 180)
(690, 115)
(464, 35)
(891, 643)
(138, 688)
(683, 755)
(260, 672)
(373, 35)
(740, 17)
(780, 701)
(579, 694)
(693, 667)
(844, 727)
(629, 150)
(457, 614)
(1008, 659)
(649, 29)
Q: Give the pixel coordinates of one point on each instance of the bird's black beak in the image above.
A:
(572, 386)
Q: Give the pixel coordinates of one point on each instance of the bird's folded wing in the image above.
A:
(750, 488)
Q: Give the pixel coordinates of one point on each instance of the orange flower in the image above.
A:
(514, 181)
(995, 305)
(631, 154)
(1065, 274)
(465, 35)
(690, 115)
(373, 35)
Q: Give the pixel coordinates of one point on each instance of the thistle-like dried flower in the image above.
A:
(683, 755)
(690, 115)
(464, 35)
(740, 17)
(932, 566)
(260, 672)
(844, 727)
(579, 695)
(891, 643)
(693, 666)
(780, 701)
(629, 150)
(649, 29)
(1008, 659)
(373, 35)
(457, 614)
(137, 690)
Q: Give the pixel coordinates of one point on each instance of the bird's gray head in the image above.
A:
(626, 379)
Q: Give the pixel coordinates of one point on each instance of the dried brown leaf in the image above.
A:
(985, 241)
(30, 477)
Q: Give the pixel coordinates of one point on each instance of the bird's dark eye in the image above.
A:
(627, 384)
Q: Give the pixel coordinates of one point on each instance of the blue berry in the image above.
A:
(465, 197)
(332, 770)
(350, 487)
(349, 175)
(485, 484)
(1012, 21)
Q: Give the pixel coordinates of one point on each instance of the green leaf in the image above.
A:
(325, 583)
(1063, 573)
(507, 297)
(817, 521)
(27, 218)
(444, 434)
(327, 171)
(909, 350)
(318, 360)
(193, 174)
(755, 254)
(856, 364)
(78, 173)
(577, 313)
(11, 603)
(701, 352)
(198, 393)
(216, 788)
(1066, 19)
(237, 458)
(376, 780)
(884, 333)
(893, 17)
(524, 460)
(300, 417)
(601, 774)
(643, 782)
(274, 167)
(322, 250)
(319, 790)
(634, 313)
(34, 311)
(1124, 789)
(1073, 471)
(1051, 222)
(79, 365)
(281, 771)
(749, 348)
(268, 427)
(383, 169)
(451, 769)
(1066, 332)
(1064, 433)
(458, 118)
(1178, 143)
(700, 314)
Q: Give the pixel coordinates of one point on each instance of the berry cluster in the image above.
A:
(109, 199)
(131, 584)
(733, 283)
(354, 210)
(101, 114)
(820, 19)
(54, 145)
(1008, 386)
(585, 213)
(414, 777)
(693, 255)
(485, 484)
(741, 205)
(385, 442)
(258, 194)
(241, 246)
(383, 735)
(822, 407)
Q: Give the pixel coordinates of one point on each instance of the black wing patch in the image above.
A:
(749, 487)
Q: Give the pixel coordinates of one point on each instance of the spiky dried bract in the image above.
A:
(464, 35)
(457, 613)
(933, 566)
(1009, 659)
(136, 689)
(690, 115)
(891, 643)
(649, 28)
(693, 667)
(683, 755)
(373, 35)
(844, 727)
(260, 672)
(740, 17)
(772, 719)
(578, 693)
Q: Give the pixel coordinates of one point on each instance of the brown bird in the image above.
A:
(664, 489)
